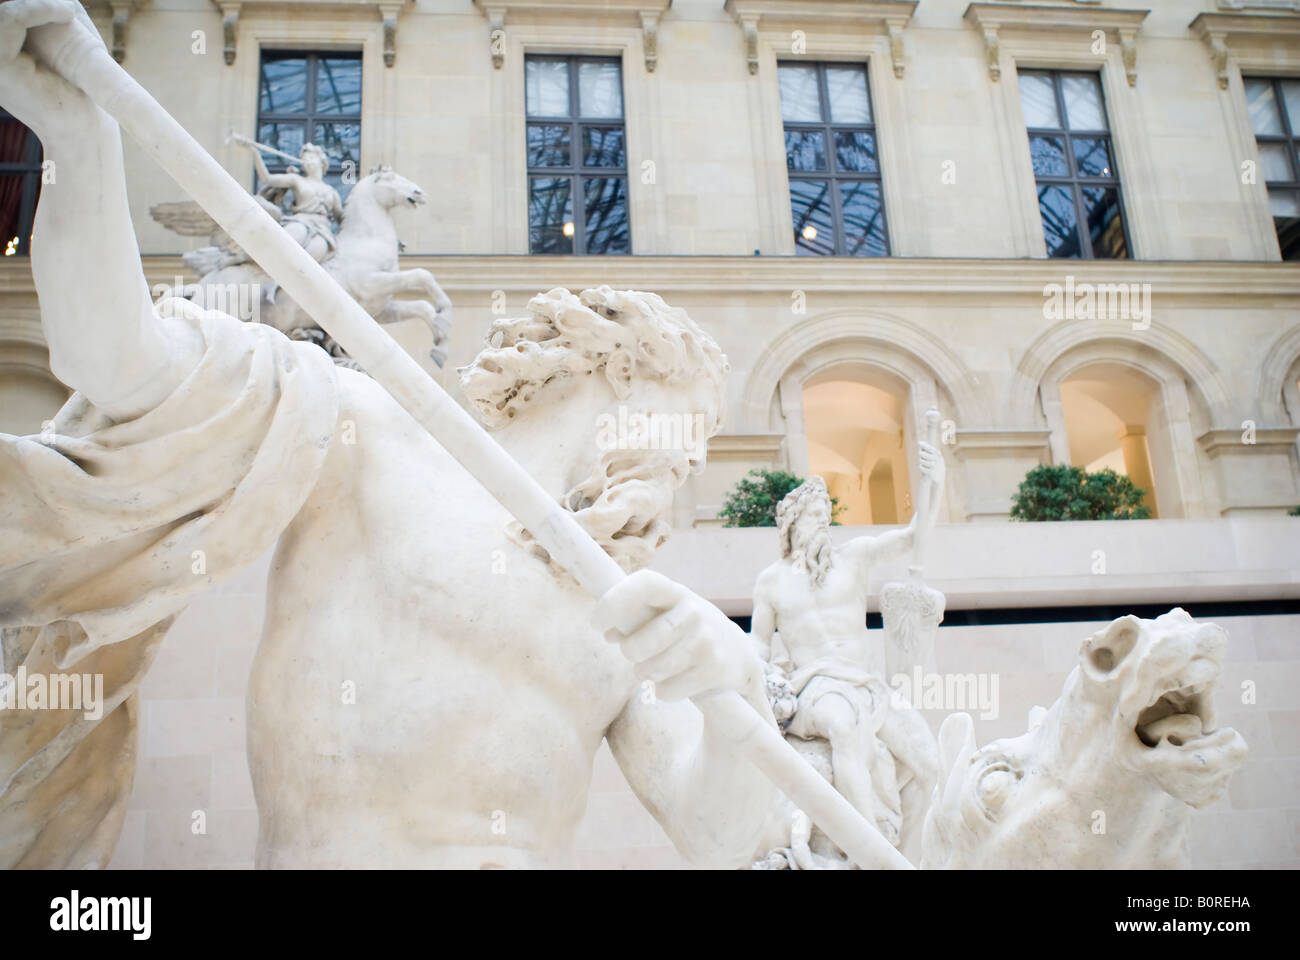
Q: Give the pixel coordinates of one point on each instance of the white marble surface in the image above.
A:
(487, 743)
(809, 621)
(1109, 775)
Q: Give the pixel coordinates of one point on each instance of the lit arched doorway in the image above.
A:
(1111, 413)
(855, 421)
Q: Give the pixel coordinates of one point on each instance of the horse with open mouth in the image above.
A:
(1108, 776)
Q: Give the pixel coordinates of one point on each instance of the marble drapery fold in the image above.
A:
(108, 530)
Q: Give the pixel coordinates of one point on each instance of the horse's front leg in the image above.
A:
(396, 310)
(441, 302)
(418, 281)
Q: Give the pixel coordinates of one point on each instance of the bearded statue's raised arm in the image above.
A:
(429, 689)
(828, 674)
(866, 552)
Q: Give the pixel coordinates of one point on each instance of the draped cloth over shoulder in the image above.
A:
(108, 530)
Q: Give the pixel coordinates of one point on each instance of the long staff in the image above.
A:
(240, 138)
(80, 57)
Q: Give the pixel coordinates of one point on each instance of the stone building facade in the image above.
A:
(1079, 220)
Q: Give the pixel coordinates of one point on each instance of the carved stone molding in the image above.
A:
(750, 27)
(643, 13)
(1254, 467)
(120, 12)
(650, 38)
(1240, 34)
(837, 336)
(1160, 351)
(994, 442)
(121, 17)
(993, 20)
(887, 17)
(745, 446)
(992, 52)
(1279, 379)
(895, 31)
(231, 10)
(229, 30)
(1260, 442)
(496, 17)
(22, 341)
(1128, 51)
(388, 14)
(1293, 5)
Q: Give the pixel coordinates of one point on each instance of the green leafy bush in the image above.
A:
(752, 501)
(1070, 493)
(1293, 512)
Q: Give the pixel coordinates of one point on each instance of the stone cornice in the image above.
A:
(993, 19)
(641, 13)
(1171, 280)
(1226, 33)
(20, 329)
(1041, 17)
(1265, 440)
(1270, 5)
(832, 16)
(120, 13)
(1262, 25)
(745, 446)
(996, 442)
(387, 10)
(823, 12)
(22, 343)
(630, 9)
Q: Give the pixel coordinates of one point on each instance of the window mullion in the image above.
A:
(309, 94)
(1282, 112)
(1289, 142)
(1081, 221)
(577, 190)
(574, 105)
(837, 226)
(1060, 104)
(576, 182)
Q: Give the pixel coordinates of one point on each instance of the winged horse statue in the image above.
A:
(363, 259)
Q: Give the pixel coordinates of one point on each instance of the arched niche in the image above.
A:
(878, 368)
(1176, 413)
(1279, 391)
(1278, 400)
(851, 334)
(1111, 412)
(856, 425)
(1155, 345)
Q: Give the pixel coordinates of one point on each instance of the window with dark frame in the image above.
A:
(1274, 106)
(836, 201)
(312, 97)
(1074, 165)
(577, 156)
(20, 184)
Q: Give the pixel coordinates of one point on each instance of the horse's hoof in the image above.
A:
(438, 356)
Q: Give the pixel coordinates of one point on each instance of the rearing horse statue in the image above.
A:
(364, 263)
